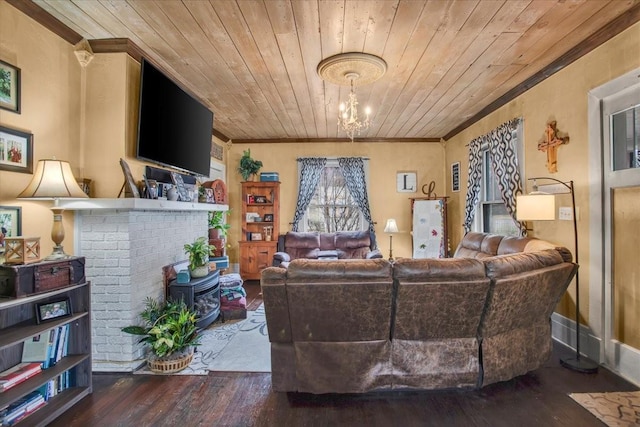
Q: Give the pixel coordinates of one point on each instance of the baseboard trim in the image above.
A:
(563, 330)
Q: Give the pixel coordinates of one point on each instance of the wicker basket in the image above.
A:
(161, 366)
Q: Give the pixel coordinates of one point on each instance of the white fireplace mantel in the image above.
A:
(138, 204)
(126, 243)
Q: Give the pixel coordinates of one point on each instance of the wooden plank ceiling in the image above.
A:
(254, 62)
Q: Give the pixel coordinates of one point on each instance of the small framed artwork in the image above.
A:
(9, 87)
(455, 176)
(259, 199)
(210, 197)
(10, 222)
(256, 236)
(268, 218)
(130, 187)
(182, 190)
(53, 310)
(406, 182)
(16, 150)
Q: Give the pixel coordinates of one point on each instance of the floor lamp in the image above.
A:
(391, 227)
(539, 206)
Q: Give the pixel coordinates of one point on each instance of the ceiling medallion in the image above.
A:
(346, 69)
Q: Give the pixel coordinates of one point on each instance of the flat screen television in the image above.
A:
(174, 128)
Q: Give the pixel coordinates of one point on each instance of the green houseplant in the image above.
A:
(248, 166)
(218, 230)
(171, 333)
(198, 253)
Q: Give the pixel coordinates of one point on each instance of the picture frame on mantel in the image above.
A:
(9, 87)
(16, 150)
(130, 188)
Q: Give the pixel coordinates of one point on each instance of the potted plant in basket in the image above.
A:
(170, 331)
(248, 166)
(218, 230)
(199, 252)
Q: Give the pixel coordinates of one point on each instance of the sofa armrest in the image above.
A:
(276, 305)
(374, 254)
(279, 258)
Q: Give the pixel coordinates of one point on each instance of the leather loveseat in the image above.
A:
(314, 245)
(354, 326)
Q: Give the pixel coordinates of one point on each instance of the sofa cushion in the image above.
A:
(344, 270)
(438, 269)
(352, 244)
(512, 244)
(506, 265)
(294, 239)
(352, 240)
(327, 242)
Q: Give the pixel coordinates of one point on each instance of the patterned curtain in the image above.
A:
(473, 184)
(353, 170)
(310, 170)
(504, 162)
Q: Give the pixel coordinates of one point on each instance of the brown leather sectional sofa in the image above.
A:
(354, 326)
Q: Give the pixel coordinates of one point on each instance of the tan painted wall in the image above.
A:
(50, 100)
(562, 97)
(385, 160)
(113, 83)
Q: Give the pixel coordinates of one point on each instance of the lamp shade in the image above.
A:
(391, 226)
(53, 179)
(536, 207)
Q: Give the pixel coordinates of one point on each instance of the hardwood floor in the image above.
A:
(539, 398)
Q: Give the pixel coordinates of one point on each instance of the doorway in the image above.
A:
(619, 228)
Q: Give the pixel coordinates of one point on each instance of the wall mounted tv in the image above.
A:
(174, 129)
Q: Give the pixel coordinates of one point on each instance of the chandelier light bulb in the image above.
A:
(367, 111)
(342, 106)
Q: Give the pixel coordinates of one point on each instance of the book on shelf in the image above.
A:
(21, 408)
(18, 373)
(36, 349)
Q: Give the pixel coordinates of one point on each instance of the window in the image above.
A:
(625, 137)
(493, 217)
(332, 208)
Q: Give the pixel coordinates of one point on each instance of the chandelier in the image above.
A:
(344, 69)
(348, 114)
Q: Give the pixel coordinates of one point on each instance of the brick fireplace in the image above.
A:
(126, 243)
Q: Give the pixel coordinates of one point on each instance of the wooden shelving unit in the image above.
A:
(18, 323)
(260, 199)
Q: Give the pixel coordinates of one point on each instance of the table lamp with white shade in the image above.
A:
(391, 227)
(54, 180)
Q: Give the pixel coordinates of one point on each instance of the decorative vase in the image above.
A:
(201, 271)
(172, 193)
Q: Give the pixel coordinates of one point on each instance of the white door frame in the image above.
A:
(615, 355)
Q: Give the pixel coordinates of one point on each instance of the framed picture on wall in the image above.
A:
(9, 87)
(16, 150)
(10, 225)
(455, 176)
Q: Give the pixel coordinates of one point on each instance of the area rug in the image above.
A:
(614, 409)
(231, 346)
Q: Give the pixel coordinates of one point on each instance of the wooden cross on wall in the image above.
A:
(550, 143)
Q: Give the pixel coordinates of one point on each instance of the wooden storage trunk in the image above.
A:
(21, 280)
